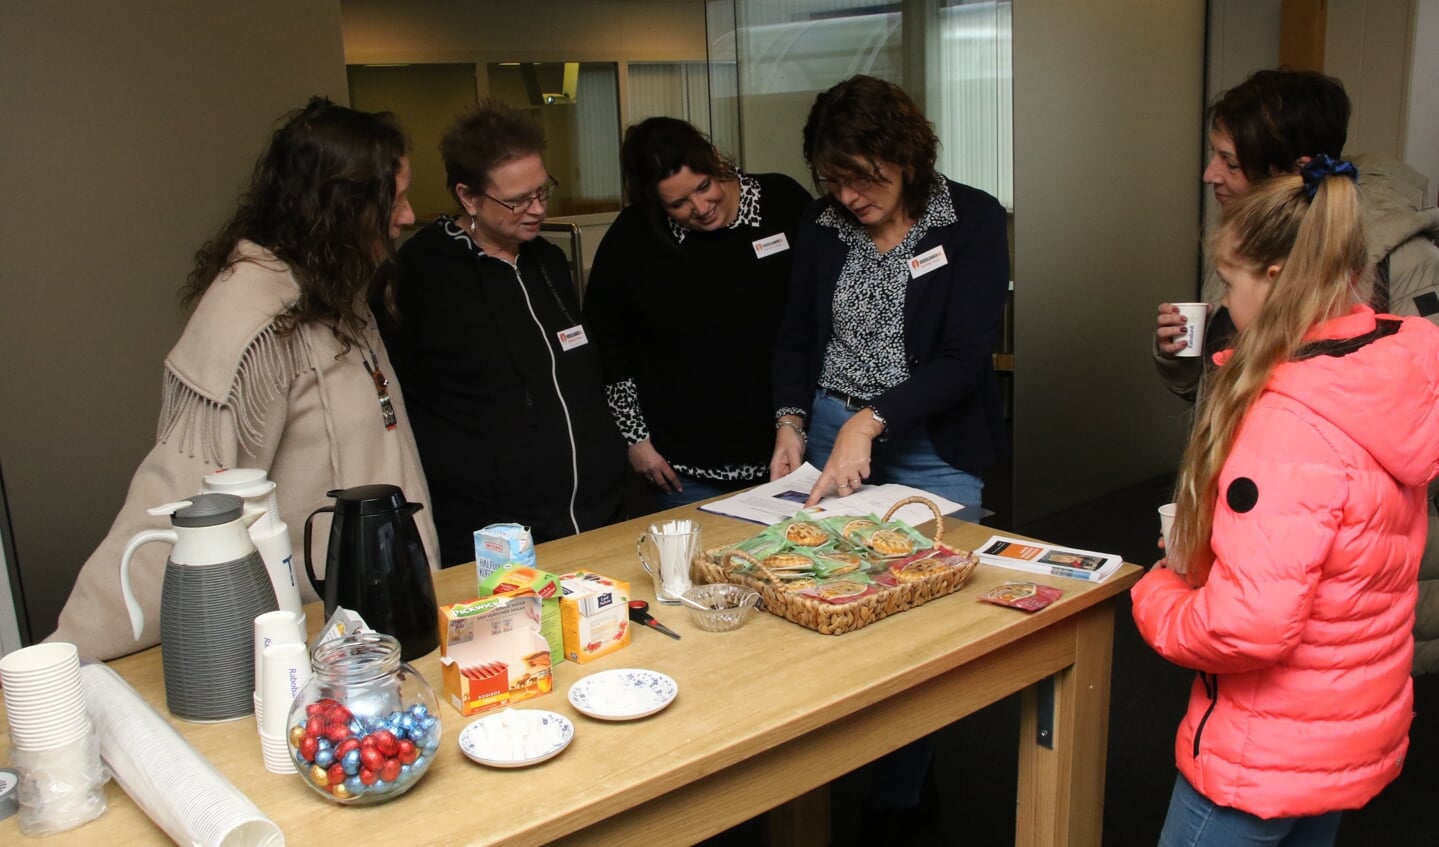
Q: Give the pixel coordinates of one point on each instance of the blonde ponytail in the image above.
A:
(1319, 245)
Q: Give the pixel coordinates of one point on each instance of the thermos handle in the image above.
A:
(319, 584)
(137, 614)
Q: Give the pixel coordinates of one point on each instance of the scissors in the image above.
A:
(640, 613)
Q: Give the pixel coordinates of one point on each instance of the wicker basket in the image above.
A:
(839, 618)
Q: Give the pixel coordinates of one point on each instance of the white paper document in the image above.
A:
(784, 498)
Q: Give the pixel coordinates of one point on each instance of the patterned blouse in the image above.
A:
(865, 356)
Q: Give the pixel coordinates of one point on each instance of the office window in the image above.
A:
(671, 89)
(969, 96)
(769, 58)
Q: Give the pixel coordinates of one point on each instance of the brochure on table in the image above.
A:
(784, 498)
(1034, 557)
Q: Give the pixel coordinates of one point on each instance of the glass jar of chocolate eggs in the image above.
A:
(366, 727)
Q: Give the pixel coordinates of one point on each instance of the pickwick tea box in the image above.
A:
(492, 652)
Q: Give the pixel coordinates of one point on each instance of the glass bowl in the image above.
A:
(720, 607)
(365, 728)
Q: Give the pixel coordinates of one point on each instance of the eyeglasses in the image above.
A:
(521, 205)
(860, 185)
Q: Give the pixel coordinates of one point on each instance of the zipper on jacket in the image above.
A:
(1211, 688)
(559, 394)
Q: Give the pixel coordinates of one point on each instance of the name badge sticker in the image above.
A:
(776, 243)
(572, 337)
(927, 261)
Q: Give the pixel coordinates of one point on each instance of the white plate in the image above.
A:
(623, 694)
(499, 740)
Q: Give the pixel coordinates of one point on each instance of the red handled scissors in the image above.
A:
(640, 613)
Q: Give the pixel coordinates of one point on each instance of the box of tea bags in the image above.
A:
(492, 652)
(594, 614)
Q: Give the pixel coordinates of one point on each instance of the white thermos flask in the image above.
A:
(270, 534)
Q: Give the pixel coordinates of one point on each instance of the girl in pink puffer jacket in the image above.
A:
(1291, 583)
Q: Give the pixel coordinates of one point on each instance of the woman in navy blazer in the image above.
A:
(896, 299)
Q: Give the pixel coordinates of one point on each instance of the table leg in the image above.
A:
(802, 822)
(1061, 788)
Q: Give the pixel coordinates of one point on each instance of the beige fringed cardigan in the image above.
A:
(238, 394)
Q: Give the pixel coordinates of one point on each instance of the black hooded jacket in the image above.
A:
(511, 425)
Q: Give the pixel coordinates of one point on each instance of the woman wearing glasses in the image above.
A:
(279, 367)
(484, 328)
(894, 310)
(899, 283)
(685, 299)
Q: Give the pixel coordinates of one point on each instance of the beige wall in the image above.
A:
(1421, 145)
(128, 130)
(1367, 45)
(425, 100)
(1107, 99)
(379, 31)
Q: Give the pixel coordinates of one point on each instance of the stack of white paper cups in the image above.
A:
(53, 744)
(181, 792)
(282, 667)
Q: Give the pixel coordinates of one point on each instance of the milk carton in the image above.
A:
(501, 545)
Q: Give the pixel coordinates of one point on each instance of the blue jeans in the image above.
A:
(910, 460)
(896, 779)
(1196, 821)
(695, 490)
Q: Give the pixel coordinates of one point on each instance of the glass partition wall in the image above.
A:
(580, 105)
(769, 58)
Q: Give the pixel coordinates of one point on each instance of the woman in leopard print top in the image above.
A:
(684, 300)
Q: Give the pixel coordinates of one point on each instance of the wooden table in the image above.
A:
(766, 715)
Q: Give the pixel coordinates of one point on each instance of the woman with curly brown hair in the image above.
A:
(900, 278)
(279, 366)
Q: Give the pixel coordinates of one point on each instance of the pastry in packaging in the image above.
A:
(840, 590)
(886, 540)
(797, 582)
(853, 528)
(890, 542)
(917, 567)
(838, 562)
(791, 561)
(760, 547)
(805, 533)
(1029, 596)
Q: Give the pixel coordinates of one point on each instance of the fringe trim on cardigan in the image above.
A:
(195, 421)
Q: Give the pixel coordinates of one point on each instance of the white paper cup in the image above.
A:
(38, 658)
(284, 670)
(1166, 523)
(1195, 314)
(280, 627)
(276, 754)
(44, 700)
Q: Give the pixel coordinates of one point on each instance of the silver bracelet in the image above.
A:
(794, 426)
(883, 424)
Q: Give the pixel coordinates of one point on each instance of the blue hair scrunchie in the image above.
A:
(1321, 166)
